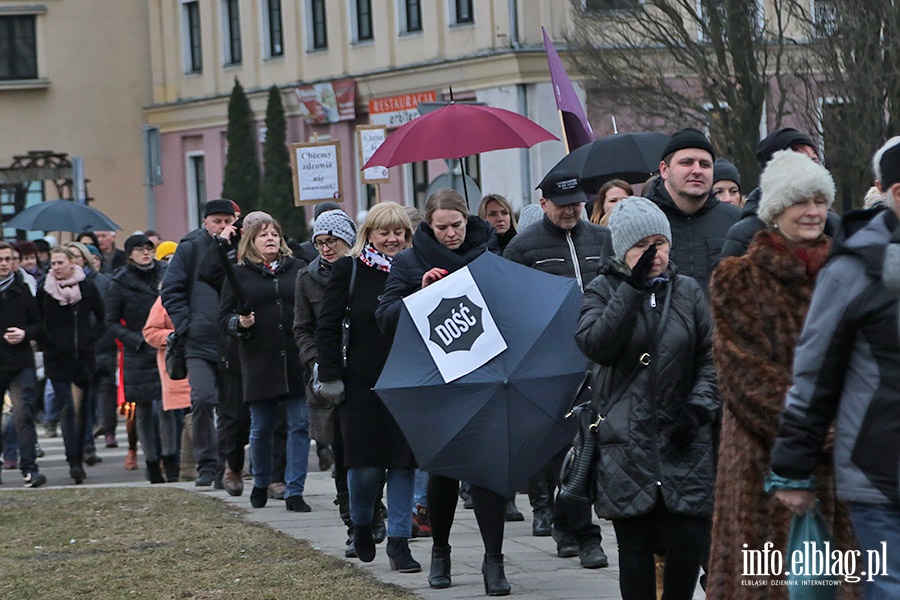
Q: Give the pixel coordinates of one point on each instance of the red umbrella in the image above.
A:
(457, 131)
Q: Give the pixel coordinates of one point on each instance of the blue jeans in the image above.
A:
(364, 484)
(70, 400)
(874, 524)
(263, 415)
(420, 496)
(51, 405)
(21, 392)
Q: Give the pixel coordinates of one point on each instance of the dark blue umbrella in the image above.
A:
(497, 425)
(62, 215)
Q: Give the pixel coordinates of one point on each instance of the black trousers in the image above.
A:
(569, 518)
(684, 539)
(233, 424)
(490, 512)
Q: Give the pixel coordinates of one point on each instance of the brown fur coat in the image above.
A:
(759, 304)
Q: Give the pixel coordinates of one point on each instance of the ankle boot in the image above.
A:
(379, 528)
(259, 496)
(439, 575)
(495, 583)
(363, 542)
(171, 467)
(154, 472)
(400, 557)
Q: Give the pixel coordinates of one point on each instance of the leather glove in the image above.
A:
(332, 391)
(641, 270)
(686, 429)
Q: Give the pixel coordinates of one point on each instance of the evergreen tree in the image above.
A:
(241, 182)
(276, 195)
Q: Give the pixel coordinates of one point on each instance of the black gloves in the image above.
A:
(641, 270)
(685, 430)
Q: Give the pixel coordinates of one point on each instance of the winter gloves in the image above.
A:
(641, 270)
(685, 430)
(332, 391)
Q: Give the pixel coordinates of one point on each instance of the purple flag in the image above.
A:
(576, 127)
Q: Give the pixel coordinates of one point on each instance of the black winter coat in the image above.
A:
(105, 349)
(130, 297)
(697, 239)
(270, 362)
(577, 253)
(371, 436)
(212, 272)
(411, 264)
(193, 305)
(18, 308)
(614, 329)
(69, 333)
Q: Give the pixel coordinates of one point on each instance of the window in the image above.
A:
(193, 54)
(273, 33)
(196, 186)
(18, 48)
(231, 22)
(410, 15)
(317, 25)
(726, 17)
(461, 12)
(361, 15)
(825, 18)
(420, 182)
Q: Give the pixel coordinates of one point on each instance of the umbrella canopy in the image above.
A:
(497, 425)
(62, 215)
(630, 156)
(457, 131)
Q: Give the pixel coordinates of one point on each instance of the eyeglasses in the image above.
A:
(329, 243)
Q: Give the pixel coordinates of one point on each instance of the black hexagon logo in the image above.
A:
(455, 324)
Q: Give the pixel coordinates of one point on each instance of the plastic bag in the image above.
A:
(810, 529)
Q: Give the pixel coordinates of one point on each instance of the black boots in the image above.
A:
(342, 501)
(259, 496)
(172, 468)
(379, 528)
(400, 557)
(495, 583)
(154, 472)
(439, 575)
(363, 542)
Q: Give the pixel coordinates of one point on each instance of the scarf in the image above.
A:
(373, 258)
(319, 270)
(67, 291)
(6, 283)
(812, 257)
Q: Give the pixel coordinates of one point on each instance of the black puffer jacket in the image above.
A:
(547, 247)
(130, 297)
(192, 304)
(637, 457)
(105, 349)
(697, 239)
(270, 361)
(411, 264)
(69, 333)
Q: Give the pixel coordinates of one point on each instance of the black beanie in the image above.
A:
(780, 139)
(890, 167)
(688, 138)
(725, 171)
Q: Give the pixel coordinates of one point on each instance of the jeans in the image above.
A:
(21, 392)
(70, 399)
(51, 406)
(90, 416)
(874, 524)
(148, 429)
(202, 376)
(420, 495)
(263, 414)
(107, 410)
(365, 483)
(169, 429)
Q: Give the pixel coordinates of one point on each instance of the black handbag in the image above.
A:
(578, 474)
(176, 362)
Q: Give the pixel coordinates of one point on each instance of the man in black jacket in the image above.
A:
(562, 243)
(19, 323)
(683, 191)
(194, 308)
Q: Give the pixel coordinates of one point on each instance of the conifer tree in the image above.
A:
(241, 181)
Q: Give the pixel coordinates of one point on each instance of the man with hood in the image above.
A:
(845, 374)
(698, 219)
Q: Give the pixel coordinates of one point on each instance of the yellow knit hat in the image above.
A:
(165, 249)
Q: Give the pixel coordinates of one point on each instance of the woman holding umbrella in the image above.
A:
(447, 240)
(373, 444)
(67, 302)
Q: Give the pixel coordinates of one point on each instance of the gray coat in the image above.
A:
(637, 458)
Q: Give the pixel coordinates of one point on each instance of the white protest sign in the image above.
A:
(317, 171)
(455, 324)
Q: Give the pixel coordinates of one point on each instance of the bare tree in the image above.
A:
(676, 63)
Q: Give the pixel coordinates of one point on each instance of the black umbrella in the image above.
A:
(630, 156)
(62, 215)
(498, 424)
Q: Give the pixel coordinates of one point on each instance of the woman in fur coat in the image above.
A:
(759, 303)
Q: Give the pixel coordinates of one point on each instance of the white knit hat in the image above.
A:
(634, 219)
(790, 177)
(336, 223)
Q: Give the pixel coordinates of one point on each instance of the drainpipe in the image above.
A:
(514, 24)
(524, 155)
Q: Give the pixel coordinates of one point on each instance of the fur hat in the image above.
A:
(788, 178)
(335, 223)
(633, 219)
(780, 139)
(725, 171)
(688, 138)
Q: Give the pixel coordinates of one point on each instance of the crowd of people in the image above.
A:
(698, 301)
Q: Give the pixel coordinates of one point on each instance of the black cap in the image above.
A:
(219, 206)
(137, 240)
(562, 188)
(688, 138)
(890, 167)
(325, 207)
(780, 139)
(725, 171)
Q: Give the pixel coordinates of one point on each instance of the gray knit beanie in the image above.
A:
(790, 177)
(335, 223)
(633, 219)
